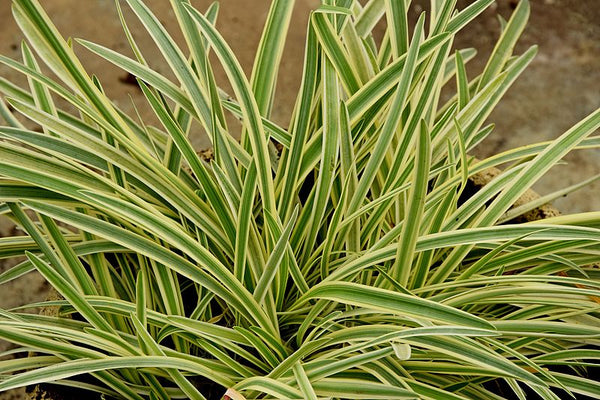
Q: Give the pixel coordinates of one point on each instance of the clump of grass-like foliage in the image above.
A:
(352, 265)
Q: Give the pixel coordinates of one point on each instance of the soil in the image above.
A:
(561, 86)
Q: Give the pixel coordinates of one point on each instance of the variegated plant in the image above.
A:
(353, 263)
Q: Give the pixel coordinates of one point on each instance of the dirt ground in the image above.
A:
(561, 86)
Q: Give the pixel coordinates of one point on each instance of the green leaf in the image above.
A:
(504, 47)
(397, 20)
(249, 109)
(269, 53)
(77, 367)
(402, 268)
(160, 254)
(304, 383)
(274, 261)
(69, 293)
(539, 165)
(392, 302)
